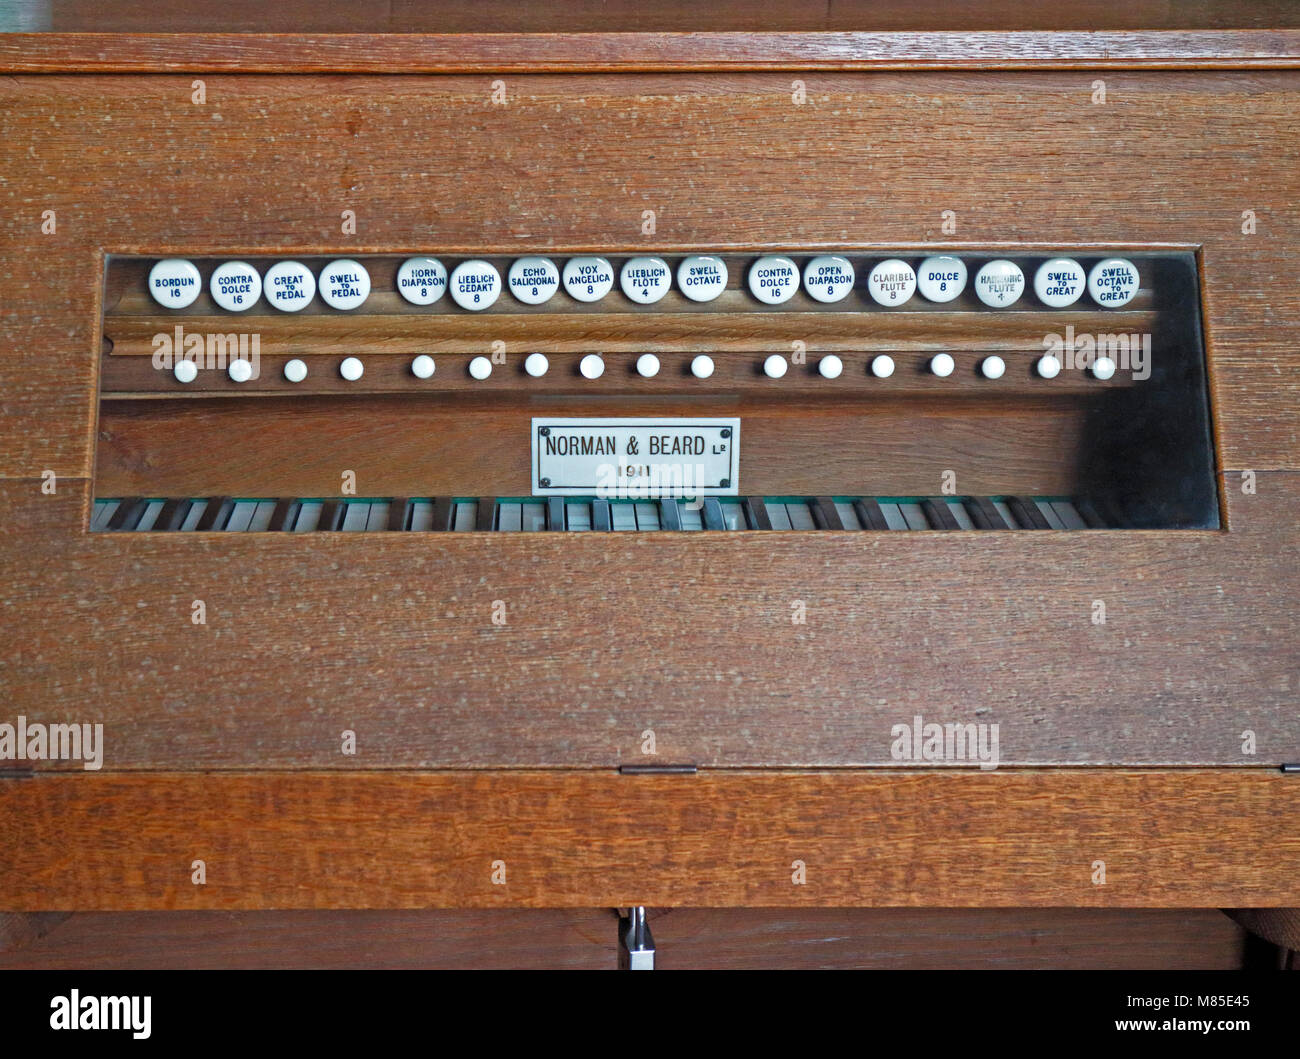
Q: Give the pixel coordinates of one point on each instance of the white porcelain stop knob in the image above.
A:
(295, 370)
(536, 364)
(239, 371)
(185, 371)
(882, 367)
(423, 367)
(480, 368)
(592, 366)
(775, 366)
(647, 365)
(702, 366)
(942, 365)
(1103, 368)
(830, 367)
(993, 367)
(1048, 366)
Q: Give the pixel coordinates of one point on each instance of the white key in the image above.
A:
(466, 515)
(692, 516)
(102, 513)
(533, 518)
(1049, 513)
(959, 513)
(1006, 514)
(647, 516)
(800, 517)
(622, 516)
(193, 515)
(848, 516)
(732, 515)
(421, 516)
(914, 516)
(355, 517)
(308, 516)
(151, 512)
(778, 516)
(241, 516)
(577, 515)
(378, 520)
(1069, 515)
(893, 516)
(510, 518)
(261, 520)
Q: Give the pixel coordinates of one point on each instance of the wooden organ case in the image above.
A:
(353, 646)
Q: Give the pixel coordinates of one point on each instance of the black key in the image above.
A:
(172, 516)
(670, 515)
(555, 513)
(216, 514)
(444, 510)
(938, 514)
(825, 515)
(1027, 514)
(399, 514)
(601, 520)
(128, 514)
(285, 515)
(332, 514)
(756, 517)
(983, 513)
(869, 513)
(1088, 513)
(485, 517)
(712, 514)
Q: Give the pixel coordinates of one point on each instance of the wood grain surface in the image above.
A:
(1039, 938)
(571, 839)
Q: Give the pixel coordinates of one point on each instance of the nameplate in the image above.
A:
(629, 459)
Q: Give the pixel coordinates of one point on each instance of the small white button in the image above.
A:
(422, 280)
(829, 278)
(882, 367)
(999, 283)
(295, 370)
(993, 367)
(423, 367)
(588, 279)
(702, 366)
(175, 282)
(941, 278)
(942, 365)
(773, 280)
(645, 279)
(1113, 282)
(239, 370)
(775, 366)
(344, 284)
(1103, 368)
(475, 285)
(536, 364)
(480, 368)
(891, 282)
(1059, 282)
(533, 280)
(647, 365)
(235, 286)
(702, 277)
(592, 366)
(185, 371)
(352, 369)
(830, 367)
(1048, 366)
(289, 286)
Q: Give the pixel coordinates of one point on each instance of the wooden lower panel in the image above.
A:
(1186, 838)
(1044, 938)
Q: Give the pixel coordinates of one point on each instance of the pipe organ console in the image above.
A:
(584, 459)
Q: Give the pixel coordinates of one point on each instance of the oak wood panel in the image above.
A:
(488, 53)
(575, 839)
(468, 445)
(1046, 938)
(689, 635)
(624, 16)
(715, 156)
